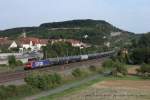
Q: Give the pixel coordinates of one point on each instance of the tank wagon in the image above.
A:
(63, 60)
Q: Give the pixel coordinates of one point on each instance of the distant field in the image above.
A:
(113, 90)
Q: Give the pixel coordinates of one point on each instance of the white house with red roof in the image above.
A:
(73, 42)
(32, 43)
(77, 43)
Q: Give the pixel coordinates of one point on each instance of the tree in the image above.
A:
(12, 60)
(115, 67)
(44, 49)
(140, 55)
(120, 67)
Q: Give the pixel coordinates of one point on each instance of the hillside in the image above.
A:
(95, 29)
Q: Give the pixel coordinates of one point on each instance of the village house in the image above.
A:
(13, 45)
(73, 42)
(76, 43)
(24, 43)
(32, 43)
(57, 40)
(35, 44)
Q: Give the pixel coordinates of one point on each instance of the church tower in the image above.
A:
(24, 34)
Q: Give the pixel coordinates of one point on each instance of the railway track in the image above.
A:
(18, 75)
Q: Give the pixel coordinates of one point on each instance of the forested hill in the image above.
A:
(95, 29)
(81, 24)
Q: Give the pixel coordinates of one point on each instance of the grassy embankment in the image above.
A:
(86, 85)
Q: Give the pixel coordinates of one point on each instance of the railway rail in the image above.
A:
(18, 75)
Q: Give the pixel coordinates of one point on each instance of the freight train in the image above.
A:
(32, 64)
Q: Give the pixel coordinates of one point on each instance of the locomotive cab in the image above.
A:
(28, 65)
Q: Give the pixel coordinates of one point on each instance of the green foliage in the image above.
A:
(11, 91)
(77, 73)
(140, 55)
(12, 60)
(58, 78)
(108, 63)
(144, 41)
(61, 49)
(19, 63)
(120, 67)
(140, 51)
(116, 67)
(145, 68)
(43, 81)
(14, 49)
(75, 29)
(92, 68)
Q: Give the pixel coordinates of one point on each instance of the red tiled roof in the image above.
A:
(72, 41)
(34, 40)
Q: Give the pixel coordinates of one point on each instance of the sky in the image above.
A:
(130, 15)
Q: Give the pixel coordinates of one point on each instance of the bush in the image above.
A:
(43, 81)
(140, 55)
(3, 65)
(11, 91)
(92, 68)
(77, 72)
(108, 63)
(115, 67)
(13, 62)
(144, 70)
(100, 70)
(120, 67)
(57, 78)
(19, 63)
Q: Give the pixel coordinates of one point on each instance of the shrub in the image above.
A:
(120, 67)
(77, 72)
(145, 68)
(19, 63)
(58, 78)
(108, 63)
(140, 55)
(11, 91)
(13, 62)
(3, 65)
(100, 70)
(43, 81)
(92, 68)
(115, 67)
